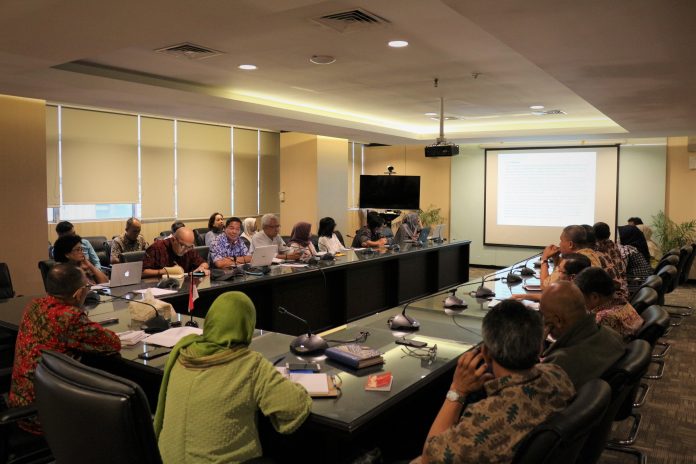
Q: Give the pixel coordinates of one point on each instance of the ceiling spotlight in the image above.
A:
(398, 43)
(247, 67)
(536, 107)
(322, 59)
(430, 114)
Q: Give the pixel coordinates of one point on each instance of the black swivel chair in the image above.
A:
(623, 378)
(339, 236)
(203, 252)
(76, 402)
(132, 256)
(6, 288)
(689, 264)
(45, 266)
(199, 234)
(560, 438)
(667, 260)
(99, 245)
(655, 324)
(670, 275)
(643, 298)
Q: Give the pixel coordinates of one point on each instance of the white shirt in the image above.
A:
(261, 239)
(331, 245)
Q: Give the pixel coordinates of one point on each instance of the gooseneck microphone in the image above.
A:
(154, 325)
(308, 343)
(513, 278)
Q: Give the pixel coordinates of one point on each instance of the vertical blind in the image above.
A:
(52, 178)
(246, 167)
(99, 158)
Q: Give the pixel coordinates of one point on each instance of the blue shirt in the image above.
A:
(222, 248)
(88, 250)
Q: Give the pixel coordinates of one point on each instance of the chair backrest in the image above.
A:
(246, 241)
(45, 266)
(107, 245)
(339, 236)
(131, 256)
(203, 252)
(653, 281)
(315, 241)
(79, 405)
(6, 289)
(684, 255)
(623, 378)
(97, 242)
(684, 276)
(655, 324)
(199, 235)
(667, 260)
(669, 276)
(643, 298)
(560, 437)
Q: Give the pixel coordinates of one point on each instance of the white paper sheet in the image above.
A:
(170, 337)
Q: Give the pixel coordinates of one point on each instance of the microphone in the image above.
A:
(308, 343)
(485, 292)
(154, 325)
(404, 322)
(524, 270)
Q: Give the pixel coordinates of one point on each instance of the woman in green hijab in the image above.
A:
(213, 385)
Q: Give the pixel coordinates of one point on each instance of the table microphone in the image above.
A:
(524, 270)
(154, 325)
(308, 343)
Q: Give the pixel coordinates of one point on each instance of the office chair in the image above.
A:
(132, 256)
(339, 236)
(203, 252)
(667, 260)
(560, 437)
(99, 245)
(6, 289)
(199, 234)
(45, 266)
(623, 378)
(643, 298)
(689, 264)
(91, 416)
(656, 323)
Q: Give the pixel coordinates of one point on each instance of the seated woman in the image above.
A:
(68, 249)
(249, 230)
(369, 235)
(600, 300)
(213, 386)
(409, 229)
(653, 248)
(327, 238)
(300, 241)
(633, 248)
(216, 224)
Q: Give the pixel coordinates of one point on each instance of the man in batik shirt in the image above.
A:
(521, 393)
(227, 249)
(55, 322)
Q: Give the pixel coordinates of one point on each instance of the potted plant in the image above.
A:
(668, 234)
(431, 216)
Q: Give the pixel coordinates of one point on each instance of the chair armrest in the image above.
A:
(11, 415)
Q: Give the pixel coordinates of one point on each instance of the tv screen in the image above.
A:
(390, 192)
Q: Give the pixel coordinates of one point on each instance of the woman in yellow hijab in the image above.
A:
(213, 385)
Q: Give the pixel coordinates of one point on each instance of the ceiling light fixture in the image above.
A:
(247, 67)
(430, 114)
(536, 107)
(398, 43)
(322, 59)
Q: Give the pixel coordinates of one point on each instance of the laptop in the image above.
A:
(125, 274)
(437, 233)
(263, 255)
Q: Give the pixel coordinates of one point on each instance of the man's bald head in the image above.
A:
(562, 305)
(184, 240)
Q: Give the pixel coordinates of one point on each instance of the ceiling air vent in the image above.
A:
(351, 20)
(189, 50)
(547, 112)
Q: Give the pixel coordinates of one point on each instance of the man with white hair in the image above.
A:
(270, 235)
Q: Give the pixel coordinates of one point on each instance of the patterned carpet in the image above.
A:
(668, 429)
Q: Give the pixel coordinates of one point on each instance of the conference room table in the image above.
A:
(330, 293)
(357, 420)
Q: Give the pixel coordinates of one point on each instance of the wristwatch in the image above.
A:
(454, 395)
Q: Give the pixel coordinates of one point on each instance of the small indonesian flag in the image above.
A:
(193, 293)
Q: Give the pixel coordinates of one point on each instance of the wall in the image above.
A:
(23, 190)
(298, 174)
(681, 184)
(641, 193)
(332, 181)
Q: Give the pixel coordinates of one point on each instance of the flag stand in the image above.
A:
(193, 295)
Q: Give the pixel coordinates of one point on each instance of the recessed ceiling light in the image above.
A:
(398, 43)
(322, 59)
(536, 107)
(247, 67)
(430, 114)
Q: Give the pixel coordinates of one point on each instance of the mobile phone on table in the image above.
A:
(412, 343)
(532, 288)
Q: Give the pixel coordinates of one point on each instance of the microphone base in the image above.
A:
(308, 344)
(525, 271)
(483, 292)
(155, 325)
(454, 302)
(513, 278)
(403, 322)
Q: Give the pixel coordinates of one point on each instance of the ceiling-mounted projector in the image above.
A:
(441, 147)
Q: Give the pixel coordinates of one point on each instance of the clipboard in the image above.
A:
(313, 383)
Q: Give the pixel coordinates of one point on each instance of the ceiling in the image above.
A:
(616, 69)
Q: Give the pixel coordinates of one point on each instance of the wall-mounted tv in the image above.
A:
(390, 192)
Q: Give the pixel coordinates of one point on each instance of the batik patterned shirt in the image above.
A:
(611, 250)
(161, 254)
(490, 430)
(50, 324)
(123, 244)
(619, 316)
(222, 248)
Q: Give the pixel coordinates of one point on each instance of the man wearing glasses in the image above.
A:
(269, 235)
(175, 250)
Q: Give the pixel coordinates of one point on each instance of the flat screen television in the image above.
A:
(390, 192)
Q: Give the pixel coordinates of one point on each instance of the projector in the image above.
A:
(446, 149)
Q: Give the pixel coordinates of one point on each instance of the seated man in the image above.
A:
(570, 266)
(131, 240)
(370, 235)
(269, 235)
(175, 250)
(64, 228)
(582, 348)
(607, 246)
(228, 249)
(55, 322)
(573, 239)
(520, 393)
(601, 301)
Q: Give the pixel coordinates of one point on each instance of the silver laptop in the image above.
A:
(125, 274)
(437, 232)
(263, 255)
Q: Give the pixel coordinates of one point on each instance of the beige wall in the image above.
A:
(410, 160)
(298, 174)
(23, 190)
(332, 175)
(681, 181)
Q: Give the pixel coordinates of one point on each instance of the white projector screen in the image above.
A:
(531, 194)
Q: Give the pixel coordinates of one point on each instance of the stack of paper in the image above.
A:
(132, 337)
(170, 337)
